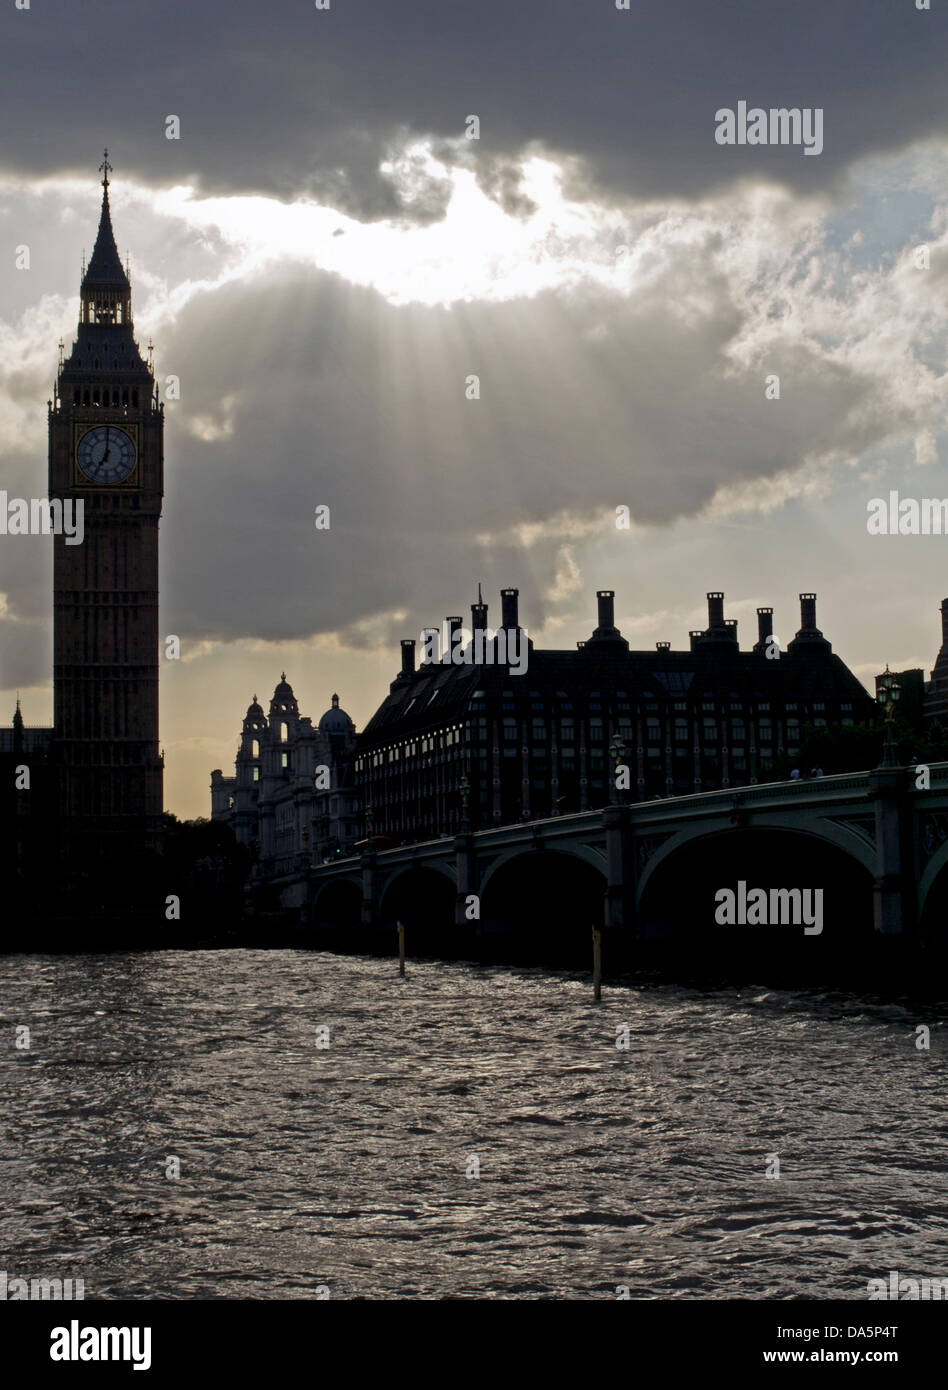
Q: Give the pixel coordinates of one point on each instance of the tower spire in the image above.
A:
(105, 342)
(104, 280)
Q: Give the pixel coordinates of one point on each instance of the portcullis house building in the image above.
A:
(546, 742)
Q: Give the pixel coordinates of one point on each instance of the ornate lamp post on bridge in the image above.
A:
(888, 692)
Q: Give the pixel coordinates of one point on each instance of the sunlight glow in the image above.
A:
(477, 251)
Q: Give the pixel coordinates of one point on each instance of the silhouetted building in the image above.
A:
(95, 797)
(935, 706)
(544, 742)
(293, 796)
(106, 430)
(28, 797)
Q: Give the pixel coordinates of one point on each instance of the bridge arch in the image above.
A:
(338, 903)
(824, 830)
(933, 904)
(931, 874)
(595, 858)
(538, 906)
(421, 896)
(678, 898)
(386, 880)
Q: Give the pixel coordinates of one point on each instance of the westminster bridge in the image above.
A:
(874, 843)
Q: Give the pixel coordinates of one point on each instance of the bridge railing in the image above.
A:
(841, 787)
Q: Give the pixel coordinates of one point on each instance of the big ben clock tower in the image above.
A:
(106, 449)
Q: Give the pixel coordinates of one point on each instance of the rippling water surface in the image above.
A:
(348, 1166)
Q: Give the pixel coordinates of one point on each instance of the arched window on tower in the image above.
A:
(284, 730)
(255, 748)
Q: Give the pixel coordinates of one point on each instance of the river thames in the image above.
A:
(466, 1133)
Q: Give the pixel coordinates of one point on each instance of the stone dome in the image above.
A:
(283, 694)
(335, 720)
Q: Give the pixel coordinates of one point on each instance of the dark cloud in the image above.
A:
(287, 99)
(335, 397)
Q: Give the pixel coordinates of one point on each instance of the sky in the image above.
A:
(323, 257)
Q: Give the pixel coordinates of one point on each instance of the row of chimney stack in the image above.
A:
(719, 628)
(509, 609)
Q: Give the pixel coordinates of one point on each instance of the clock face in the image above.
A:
(106, 454)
